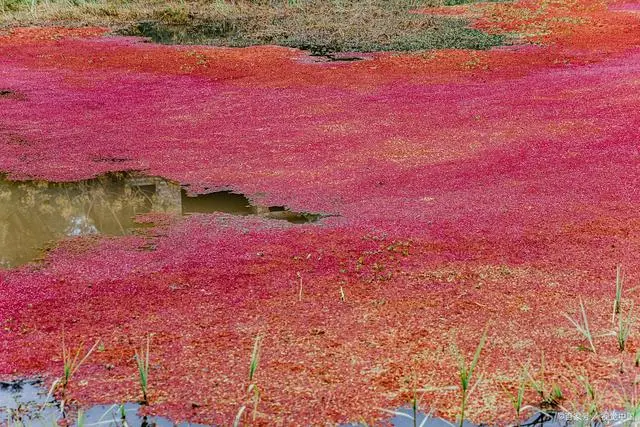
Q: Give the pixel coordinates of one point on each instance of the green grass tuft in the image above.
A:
(624, 328)
(72, 361)
(549, 397)
(465, 375)
(517, 398)
(618, 297)
(253, 391)
(581, 324)
(142, 362)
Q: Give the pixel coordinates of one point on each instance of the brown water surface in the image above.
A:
(36, 214)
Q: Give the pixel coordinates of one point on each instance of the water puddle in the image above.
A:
(404, 418)
(224, 32)
(211, 33)
(26, 403)
(36, 214)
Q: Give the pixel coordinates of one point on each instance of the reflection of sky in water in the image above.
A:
(404, 417)
(81, 226)
(27, 400)
(38, 410)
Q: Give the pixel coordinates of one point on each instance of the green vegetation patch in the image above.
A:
(321, 26)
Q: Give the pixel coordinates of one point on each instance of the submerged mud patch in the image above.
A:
(10, 94)
(13, 139)
(35, 214)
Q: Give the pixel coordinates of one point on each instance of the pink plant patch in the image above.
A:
(626, 7)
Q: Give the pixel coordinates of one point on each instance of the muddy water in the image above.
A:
(35, 214)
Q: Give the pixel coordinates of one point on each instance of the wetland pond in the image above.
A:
(36, 214)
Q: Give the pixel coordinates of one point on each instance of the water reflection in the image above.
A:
(26, 403)
(36, 214)
(214, 33)
(404, 418)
